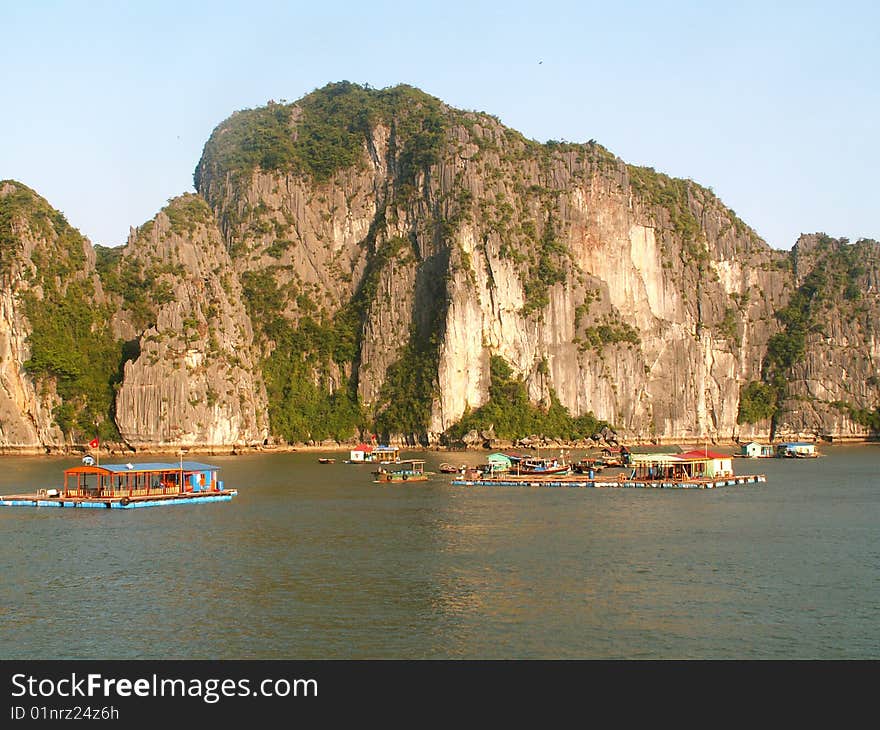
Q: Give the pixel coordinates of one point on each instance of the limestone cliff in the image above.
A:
(56, 355)
(826, 356)
(355, 262)
(192, 382)
(626, 293)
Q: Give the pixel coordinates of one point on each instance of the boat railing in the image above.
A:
(148, 491)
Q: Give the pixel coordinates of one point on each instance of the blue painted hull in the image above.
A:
(116, 504)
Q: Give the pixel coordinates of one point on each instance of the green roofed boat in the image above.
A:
(412, 470)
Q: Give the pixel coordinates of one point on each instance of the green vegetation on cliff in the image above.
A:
(831, 288)
(548, 268)
(870, 419)
(188, 211)
(611, 331)
(141, 288)
(310, 371)
(757, 402)
(302, 372)
(327, 131)
(409, 389)
(833, 281)
(71, 347)
(144, 284)
(681, 199)
(671, 193)
(512, 415)
(61, 252)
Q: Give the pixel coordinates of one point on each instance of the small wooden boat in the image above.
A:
(326, 460)
(615, 456)
(536, 466)
(585, 466)
(539, 470)
(451, 468)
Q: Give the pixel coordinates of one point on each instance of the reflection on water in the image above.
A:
(316, 561)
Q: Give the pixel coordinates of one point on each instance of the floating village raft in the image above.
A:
(127, 486)
(700, 469)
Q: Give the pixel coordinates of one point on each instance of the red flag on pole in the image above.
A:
(94, 443)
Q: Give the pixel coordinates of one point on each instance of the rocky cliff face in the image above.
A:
(831, 323)
(50, 325)
(26, 422)
(356, 260)
(632, 320)
(628, 294)
(193, 381)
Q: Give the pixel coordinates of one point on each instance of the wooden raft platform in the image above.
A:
(578, 480)
(155, 500)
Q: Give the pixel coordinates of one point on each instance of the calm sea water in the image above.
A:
(315, 561)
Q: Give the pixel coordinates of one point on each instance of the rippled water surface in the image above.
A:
(316, 561)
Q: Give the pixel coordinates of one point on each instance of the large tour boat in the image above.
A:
(126, 486)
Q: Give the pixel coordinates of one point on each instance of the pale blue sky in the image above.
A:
(105, 106)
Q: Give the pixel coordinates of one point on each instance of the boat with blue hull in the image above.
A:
(130, 486)
(536, 466)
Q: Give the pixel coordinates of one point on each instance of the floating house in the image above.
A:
(697, 464)
(359, 454)
(386, 455)
(116, 486)
(755, 450)
(670, 467)
(495, 464)
(366, 454)
(717, 465)
(498, 463)
(796, 450)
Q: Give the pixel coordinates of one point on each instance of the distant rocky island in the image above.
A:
(372, 263)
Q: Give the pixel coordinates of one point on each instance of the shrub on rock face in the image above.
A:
(757, 402)
(508, 414)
